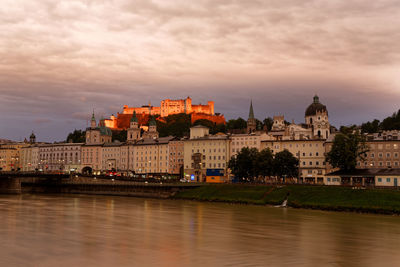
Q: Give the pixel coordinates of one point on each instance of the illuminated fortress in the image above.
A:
(167, 107)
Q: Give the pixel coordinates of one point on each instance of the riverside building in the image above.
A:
(206, 155)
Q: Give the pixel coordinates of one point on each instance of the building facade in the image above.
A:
(60, 157)
(310, 153)
(10, 156)
(203, 152)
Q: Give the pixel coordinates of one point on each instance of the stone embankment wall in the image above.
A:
(102, 187)
(10, 185)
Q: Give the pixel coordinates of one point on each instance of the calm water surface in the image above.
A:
(43, 230)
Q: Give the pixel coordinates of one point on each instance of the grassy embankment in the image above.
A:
(384, 201)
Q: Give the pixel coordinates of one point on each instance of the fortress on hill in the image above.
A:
(167, 107)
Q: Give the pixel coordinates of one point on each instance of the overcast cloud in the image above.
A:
(59, 60)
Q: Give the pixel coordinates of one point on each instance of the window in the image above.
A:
(388, 180)
(329, 179)
(380, 180)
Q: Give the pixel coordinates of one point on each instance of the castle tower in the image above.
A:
(188, 105)
(211, 107)
(316, 117)
(251, 121)
(32, 138)
(133, 132)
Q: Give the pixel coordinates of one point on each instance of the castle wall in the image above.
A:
(167, 107)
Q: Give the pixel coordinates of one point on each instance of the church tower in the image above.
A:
(316, 117)
(93, 121)
(32, 138)
(98, 135)
(152, 132)
(133, 131)
(251, 121)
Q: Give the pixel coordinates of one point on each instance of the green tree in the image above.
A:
(370, 127)
(387, 124)
(176, 125)
(286, 164)
(238, 124)
(348, 147)
(265, 163)
(243, 166)
(77, 136)
(119, 135)
(392, 122)
(214, 128)
(204, 122)
(268, 122)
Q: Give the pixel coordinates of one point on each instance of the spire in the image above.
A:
(93, 121)
(134, 118)
(316, 99)
(251, 113)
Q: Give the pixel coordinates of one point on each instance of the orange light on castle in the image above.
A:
(167, 107)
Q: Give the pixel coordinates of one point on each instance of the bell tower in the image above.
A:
(133, 131)
(251, 121)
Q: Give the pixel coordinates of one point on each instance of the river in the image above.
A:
(81, 230)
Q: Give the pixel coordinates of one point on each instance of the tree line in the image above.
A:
(389, 123)
(250, 164)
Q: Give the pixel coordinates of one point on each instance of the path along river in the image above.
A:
(79, 230)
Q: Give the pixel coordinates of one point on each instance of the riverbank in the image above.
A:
(380, 201)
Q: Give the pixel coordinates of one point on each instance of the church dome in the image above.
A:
(315, 107)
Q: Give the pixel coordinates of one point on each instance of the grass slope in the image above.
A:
(247, 194)
(301, 196)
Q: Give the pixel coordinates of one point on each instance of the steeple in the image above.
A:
(251, 113)
(93, 121)
(134, 118)
(251, 121)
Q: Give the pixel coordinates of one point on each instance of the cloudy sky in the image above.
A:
(61, 59)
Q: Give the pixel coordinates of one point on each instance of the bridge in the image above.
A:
(17, 183)
(10, 182)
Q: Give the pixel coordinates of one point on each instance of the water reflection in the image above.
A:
(43, 230)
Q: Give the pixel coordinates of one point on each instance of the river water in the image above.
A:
(79, 230)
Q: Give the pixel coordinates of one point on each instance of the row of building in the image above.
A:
(200, 156)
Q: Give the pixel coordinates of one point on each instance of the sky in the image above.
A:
(59, 60)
